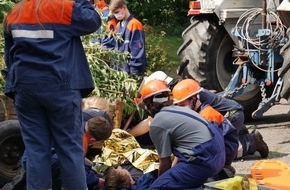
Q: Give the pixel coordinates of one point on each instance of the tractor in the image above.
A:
(239, 49)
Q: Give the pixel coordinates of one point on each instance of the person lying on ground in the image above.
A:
(122, 147)
(121, 178)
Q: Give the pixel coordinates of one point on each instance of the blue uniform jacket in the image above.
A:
(46, 53)
(218, 102)
(133, 36)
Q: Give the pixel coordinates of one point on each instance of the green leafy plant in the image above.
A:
(170, 15)
(5, 6)
(157, 56)
(110, 83)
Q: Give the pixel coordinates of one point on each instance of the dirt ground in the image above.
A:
(275, 128)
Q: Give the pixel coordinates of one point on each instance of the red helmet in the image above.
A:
(153, 87)
(185, 89)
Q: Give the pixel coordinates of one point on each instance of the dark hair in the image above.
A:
(155, 107)
(100, 128)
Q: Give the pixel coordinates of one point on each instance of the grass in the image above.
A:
(171, 44)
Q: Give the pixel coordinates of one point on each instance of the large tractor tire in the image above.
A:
(11, 149)
(206, 56)
(284, 71)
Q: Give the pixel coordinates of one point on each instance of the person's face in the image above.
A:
(92, 140)
(190, 102)
(119, 13)
(122, 171)
(93, 143)
(184, 103)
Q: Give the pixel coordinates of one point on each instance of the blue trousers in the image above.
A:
(237, 119)
(231, 139)
(47, 117)
(209, 159)
(247, 140)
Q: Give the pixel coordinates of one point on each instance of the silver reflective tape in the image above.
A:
(32, 34)
(240, 151)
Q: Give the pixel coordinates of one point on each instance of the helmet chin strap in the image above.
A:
(193, 103)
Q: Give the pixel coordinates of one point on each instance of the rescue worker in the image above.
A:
(133, 39)
(92, 132)
(98, 128)
(110, 21)
(185, 93)
(106, 15)
(102, 6)
(182, 132)
(249, 142)
(47, 76)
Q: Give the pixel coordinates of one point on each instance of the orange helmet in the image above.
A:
(153, 87)
(185, 89)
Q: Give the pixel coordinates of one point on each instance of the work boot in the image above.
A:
(243, 131)
(231, 169)
(227, 172)
(261, 146)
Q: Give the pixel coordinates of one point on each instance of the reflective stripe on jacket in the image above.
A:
(45, 52)
(133, 36)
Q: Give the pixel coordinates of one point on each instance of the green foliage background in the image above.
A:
(5, 6)
(168, 15)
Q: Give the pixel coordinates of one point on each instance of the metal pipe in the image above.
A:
(264, 14)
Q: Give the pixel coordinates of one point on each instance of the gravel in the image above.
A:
(275, 129)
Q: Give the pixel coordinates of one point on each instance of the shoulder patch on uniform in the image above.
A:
(134, 24)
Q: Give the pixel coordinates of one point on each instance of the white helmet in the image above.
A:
(159, 75)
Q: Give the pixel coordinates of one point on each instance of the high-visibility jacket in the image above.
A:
(56, 59)
(133, 41)
(230, 133)
(86, 143)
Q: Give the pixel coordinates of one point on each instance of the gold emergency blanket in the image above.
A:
(122, 146)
